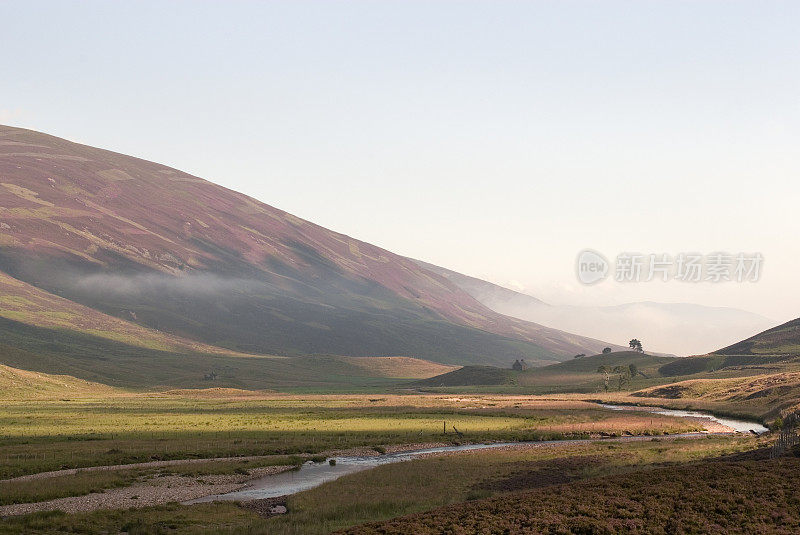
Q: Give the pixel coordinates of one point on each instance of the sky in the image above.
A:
(498, 139)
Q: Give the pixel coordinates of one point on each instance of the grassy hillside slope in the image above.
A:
(110, 362)
(22, 384)
(781, 340)
(175, 253)
(763, 396)
(471, 376)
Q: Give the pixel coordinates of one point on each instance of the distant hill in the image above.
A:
(672, 328)
(106, 249)
(472, 376)
(774, 350)
(580, 375)
(575, 375)
(644, 362)
(781, 340)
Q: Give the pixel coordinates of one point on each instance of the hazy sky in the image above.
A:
(495, 138)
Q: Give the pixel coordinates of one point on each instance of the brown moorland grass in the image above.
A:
(712, 497)
(443, 480)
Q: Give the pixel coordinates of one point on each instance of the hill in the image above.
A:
(22, 384)
(471, 376)
(757, 377)
(647, 364)
(781, 340)
(184, 261)
(672, 328)
(575, 375)
(762, 396)
(580, 374)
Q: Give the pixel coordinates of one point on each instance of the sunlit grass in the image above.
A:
(49, 435)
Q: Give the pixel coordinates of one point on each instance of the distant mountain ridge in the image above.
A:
(679, 328)
(197, 263)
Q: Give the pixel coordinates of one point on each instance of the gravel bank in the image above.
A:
(155, 490)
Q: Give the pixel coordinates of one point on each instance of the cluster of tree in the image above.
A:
(624, 375)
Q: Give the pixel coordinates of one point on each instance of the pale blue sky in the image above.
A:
(495, 138)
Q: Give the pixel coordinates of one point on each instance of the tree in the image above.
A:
(580, 355)
(606, 350)
(624, 375)
(634, 371)
(636, 345)
(606, 371)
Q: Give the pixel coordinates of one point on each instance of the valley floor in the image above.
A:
(71, 465)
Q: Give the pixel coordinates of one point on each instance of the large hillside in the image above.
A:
(122, 250)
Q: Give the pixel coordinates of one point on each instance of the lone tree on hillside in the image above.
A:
(636, 345)
(579, 356)
(606, 350)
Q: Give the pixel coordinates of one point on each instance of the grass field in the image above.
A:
(53, 422)
(438, 481)
(54, 434)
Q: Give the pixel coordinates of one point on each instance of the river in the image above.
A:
(310, 474)
(740, 426)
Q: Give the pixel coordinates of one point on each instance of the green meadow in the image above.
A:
(43, 435)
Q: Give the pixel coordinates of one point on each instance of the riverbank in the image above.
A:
(147, 492)
(155, 489)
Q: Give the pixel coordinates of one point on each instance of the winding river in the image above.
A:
(311, 474)
(740, 426)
